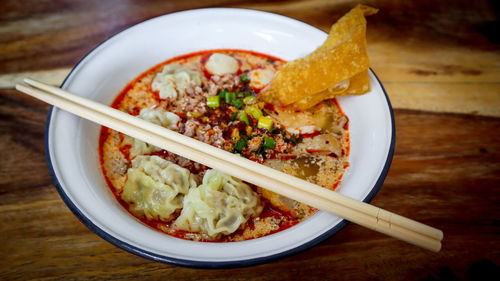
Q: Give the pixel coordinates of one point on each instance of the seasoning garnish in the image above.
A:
(265, 123)
(230, 96)
(269, 143)
(213, 101)
(239, 145)
(238, 103)
(243, 117)
(233, 117)
(250, 100)
(244, 78)
(254, 111)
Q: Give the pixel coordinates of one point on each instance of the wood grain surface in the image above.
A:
(439, 61)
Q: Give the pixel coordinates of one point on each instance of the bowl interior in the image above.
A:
(72, 143)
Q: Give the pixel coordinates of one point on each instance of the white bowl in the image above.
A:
(72, 143)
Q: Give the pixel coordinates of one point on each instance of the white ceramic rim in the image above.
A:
(196, 259)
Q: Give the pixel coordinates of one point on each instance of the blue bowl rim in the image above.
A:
(208, 264)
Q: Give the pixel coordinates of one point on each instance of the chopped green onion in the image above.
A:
(295, 139)
(247, 94)
(249, 99)
(254, 110)
(233, 117)
(261, 150)
(238, 103)
(244, 78)
(239, 145)
(243, 117)
(240, 95)
(213, 101)
(230, 96)
(269, 143)
(222, 94)
(265, 123)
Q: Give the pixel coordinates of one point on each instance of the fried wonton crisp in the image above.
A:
(356, 85)
(317, 76)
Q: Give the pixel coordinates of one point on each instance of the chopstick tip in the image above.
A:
(19, 87)
(437, 249)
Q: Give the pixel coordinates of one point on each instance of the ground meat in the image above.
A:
(119, 166)
(228, 146)
(254, 144)
(192, 100)
(190, 127)
(281, 146)
(190, 104)
(205, 133)
(225, 82)
(194, 167)
(211, 135)
(217, 139)
(194, 90)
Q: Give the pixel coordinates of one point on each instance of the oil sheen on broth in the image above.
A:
(213, 96)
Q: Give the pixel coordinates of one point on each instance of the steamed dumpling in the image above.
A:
(219, 206)
(173, 80)
(220, 64)
(160, 116)
(157, 116)
(156, 187)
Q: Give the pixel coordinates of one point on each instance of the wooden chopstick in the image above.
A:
(368, 209)
(359, 212)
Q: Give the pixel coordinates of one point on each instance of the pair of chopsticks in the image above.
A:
(300, 190)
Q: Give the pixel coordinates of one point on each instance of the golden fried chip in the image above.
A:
(357, 85)
(329, 93)
(341, 56)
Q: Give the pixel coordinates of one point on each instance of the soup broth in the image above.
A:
(213, 96)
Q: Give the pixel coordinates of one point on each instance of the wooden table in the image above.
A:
(440, 63)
